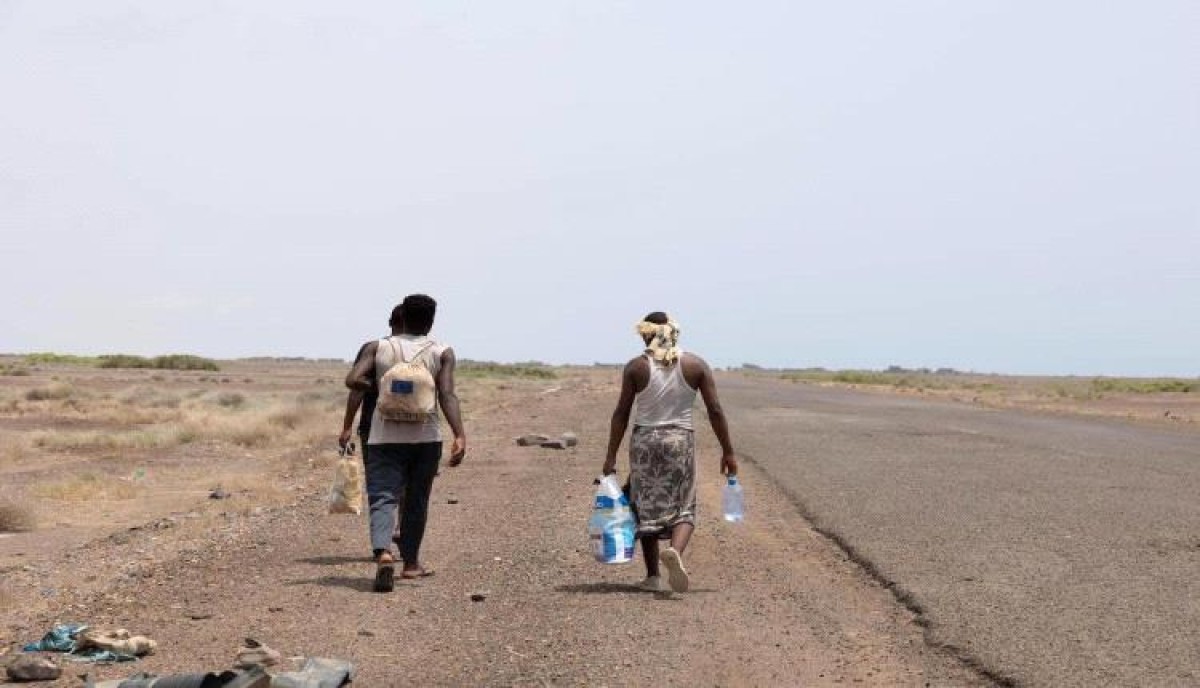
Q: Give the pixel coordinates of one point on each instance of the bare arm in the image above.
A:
(357, 393)
(716, 418)
(620, 417)
(353, 401)
(448, 399)
(361, 376)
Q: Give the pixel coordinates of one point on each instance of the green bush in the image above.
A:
(534, 370)
(48, 358)
(1101, 385)
(171, 362)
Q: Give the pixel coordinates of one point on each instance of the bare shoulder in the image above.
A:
(695, 369)
(367, 350)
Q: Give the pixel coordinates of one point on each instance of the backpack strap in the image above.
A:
(398, 352)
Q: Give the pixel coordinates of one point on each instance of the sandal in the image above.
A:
(385, 573)
(419, 572)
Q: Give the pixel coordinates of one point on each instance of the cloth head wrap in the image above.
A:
(664, 342)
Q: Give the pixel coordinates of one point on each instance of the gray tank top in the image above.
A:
(667, 398)
(394, 432)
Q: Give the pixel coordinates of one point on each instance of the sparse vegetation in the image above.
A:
(149, 397)
(1145, 386)
(949, 379)
(16, 518)
(171, 362)
(48, 358)
(231, 400)
(532, 370)
(64, 441)
(87, 487)
(49, 393)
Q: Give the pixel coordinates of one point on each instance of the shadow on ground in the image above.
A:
(356, 583)
(334, 560)
(605, 588)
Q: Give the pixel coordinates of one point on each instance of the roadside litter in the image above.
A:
(253, 678)
(83, 644)
(563, 441)
(346, 495)
(315, 672)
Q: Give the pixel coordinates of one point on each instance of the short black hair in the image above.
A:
(397, 315)
(417, 311)
(657, 317)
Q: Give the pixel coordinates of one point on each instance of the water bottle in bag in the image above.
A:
(611, 527)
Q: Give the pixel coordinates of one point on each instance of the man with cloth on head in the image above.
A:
(663, 382)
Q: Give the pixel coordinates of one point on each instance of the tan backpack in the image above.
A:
(407, 391)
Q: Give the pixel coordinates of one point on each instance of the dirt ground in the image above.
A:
(110, 472)
(127, 536)
(1129, 399)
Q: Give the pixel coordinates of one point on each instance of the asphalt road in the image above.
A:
(1052, 551)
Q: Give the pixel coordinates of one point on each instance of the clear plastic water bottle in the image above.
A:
(733, 500)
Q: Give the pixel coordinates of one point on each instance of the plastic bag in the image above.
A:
(611, 527)
(346, 495)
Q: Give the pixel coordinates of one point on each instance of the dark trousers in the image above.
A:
(400, 475)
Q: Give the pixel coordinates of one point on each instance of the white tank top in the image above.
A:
(394, 432)
(667, 398)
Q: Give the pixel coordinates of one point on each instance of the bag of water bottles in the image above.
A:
(611, 527)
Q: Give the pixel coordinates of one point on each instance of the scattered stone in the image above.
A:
(452, 500)
(25, 667)
(274, 609)
(366, 634)
(199, 616)
(570, 438)
(219, 494)
(478, 596)
(554, 444)
(253, 653)
(531, 440)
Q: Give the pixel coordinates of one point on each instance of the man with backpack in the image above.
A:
(414, 375)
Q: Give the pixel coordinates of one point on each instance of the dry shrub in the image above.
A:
(16, 518)
(149, 397)
(49, 393)
(242, 429)
(87, 486)
(153, 438)
(231, 400)
(13, 450)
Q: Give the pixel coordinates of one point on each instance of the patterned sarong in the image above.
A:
(662, 478)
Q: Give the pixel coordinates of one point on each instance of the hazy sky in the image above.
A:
(1006, 186)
